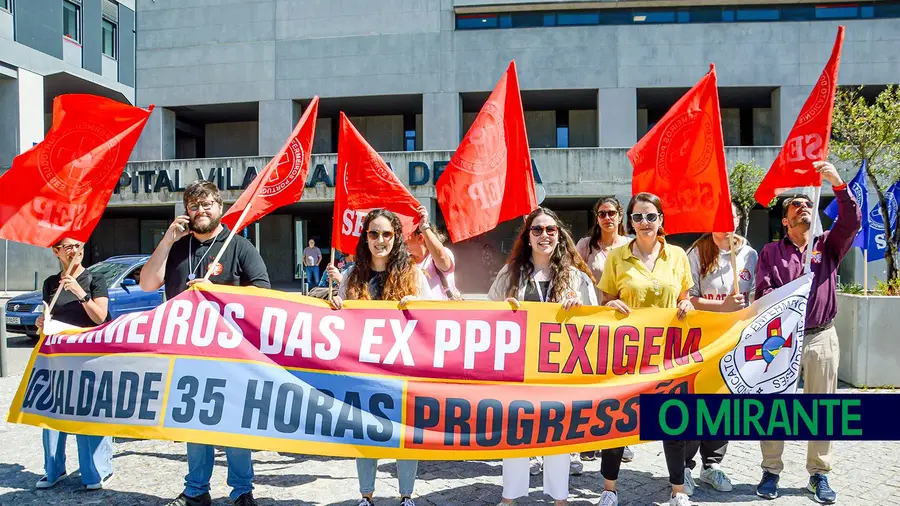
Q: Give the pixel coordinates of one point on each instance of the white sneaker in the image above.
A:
(689, 483)
(608, 498)
(575, 465)
(716, 478)
(537, 465)
(45, 483)
(99, 486)
(680, 500)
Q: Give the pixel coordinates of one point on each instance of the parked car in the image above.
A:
(122, 275)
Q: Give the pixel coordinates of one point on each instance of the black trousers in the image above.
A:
(675, 457)
(711, 452)
(611, 462)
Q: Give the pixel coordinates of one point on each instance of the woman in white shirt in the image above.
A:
(543, 267)
(713, 290)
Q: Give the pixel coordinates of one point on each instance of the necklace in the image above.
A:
(192, 275)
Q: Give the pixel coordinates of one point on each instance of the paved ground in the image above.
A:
(151, 473)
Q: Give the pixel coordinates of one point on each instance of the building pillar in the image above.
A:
(786, 104)
(277, 119)
(31, 110)
(157, 141)
(441, 121)
(617, 108)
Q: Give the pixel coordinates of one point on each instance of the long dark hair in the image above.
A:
(563, 258)
(708, 252)
(401, 276)
(648, 198)
(596, 231)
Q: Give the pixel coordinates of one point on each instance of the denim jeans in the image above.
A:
(312, 276)
(200, 468)
(94, 456)
(406, 475)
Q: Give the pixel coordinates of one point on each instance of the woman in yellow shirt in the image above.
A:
(647, 272)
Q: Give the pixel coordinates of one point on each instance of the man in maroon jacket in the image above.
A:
(782, 262)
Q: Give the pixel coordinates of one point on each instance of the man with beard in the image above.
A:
(782, 262)
(182, 258)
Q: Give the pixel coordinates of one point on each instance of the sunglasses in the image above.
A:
(650, 217)
(538, 230)
(801, 203)
(607, 214)
(375, 234)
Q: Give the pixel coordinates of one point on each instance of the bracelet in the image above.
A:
(425, 226)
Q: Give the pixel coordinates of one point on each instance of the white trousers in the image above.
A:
(556, 477)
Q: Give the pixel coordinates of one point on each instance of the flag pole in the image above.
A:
(237, 226)
(866, 270)
(330, 279)
(812, 229)
(734, 262)
(59, 289)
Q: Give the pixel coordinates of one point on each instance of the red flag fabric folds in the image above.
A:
(60, 187)
(364, 182)
(808, 140)
(682, 161)
(283, 179)
(489, 178)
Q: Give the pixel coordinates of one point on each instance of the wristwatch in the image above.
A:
(85, 299)
(424, 226)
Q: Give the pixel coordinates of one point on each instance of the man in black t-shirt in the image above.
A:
(82, 302)
(180, 260)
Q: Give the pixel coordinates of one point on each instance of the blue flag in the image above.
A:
(877, 240)
(860, 191)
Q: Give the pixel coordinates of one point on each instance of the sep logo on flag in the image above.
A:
(484, 147)
(286, 170)
(767, 358)
(67, 157)
(822, 95)
(689, 132)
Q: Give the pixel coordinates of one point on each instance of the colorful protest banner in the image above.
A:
(262, 369)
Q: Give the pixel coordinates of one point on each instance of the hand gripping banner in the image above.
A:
(262, 369)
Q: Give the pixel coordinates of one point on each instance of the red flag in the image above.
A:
(489, 178)
(60, 187)
(682, 161)
(364, 182)
(808, 140)
(283, 179)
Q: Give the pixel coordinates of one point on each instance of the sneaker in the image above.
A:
(627, 455)
(768, 486)
(200, 500)
(818, 485)
(717, 478)
(679, 499)
(365, 501)
(536, 466)
(406, 501)
(689, 483)
(45, 483)
(246, 500)
(98, 486)
(589, 455)
(575, 465)
(608, 498)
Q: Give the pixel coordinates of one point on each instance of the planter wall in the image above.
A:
(868, 329)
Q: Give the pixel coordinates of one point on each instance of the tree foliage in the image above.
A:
(744, 179)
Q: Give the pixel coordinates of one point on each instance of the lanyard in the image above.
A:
(192, 275)
(537, 288)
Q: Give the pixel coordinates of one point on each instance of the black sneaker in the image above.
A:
(200, 500)
(768, 486)
(818, 485)
(365, 501)
(627, 455)
(246, 500)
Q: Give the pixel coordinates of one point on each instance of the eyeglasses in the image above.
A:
(375, 234)
(801, 203)
(607, 214)
(69, 247)
(206, 205)
(650, 217)
(537, 231)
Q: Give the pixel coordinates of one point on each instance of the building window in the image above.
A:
(409, 140)
(109, 38)
(5, 5)
(562, 129)
(71, 21)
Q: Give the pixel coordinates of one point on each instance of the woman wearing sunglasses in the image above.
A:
(543, 267)
(607, 234)
(384, 270)
(713, 290)
(647, 272)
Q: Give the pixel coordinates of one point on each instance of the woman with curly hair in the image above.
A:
(543, 267)
(384, 270)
